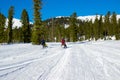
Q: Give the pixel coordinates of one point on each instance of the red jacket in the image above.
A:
(63, 42)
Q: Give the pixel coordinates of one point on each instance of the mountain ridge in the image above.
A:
(17, 23)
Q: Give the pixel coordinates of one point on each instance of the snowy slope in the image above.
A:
(89, 17)
(92, 17)
(16, 23)
(80, 61)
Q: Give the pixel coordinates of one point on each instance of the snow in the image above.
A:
(93, 17)
(16, 23)
(85, 18)
(80, 61)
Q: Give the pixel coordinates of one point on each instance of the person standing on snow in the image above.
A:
(43, 43)
(63, 43)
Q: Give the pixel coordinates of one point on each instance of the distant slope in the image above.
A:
(16, 23)
(92, 17)
(89, 17)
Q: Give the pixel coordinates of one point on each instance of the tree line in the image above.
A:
(8, 34)
(53, 29)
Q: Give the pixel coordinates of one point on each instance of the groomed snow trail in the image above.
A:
(80, 61)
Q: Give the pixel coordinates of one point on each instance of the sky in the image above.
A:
(53, 8)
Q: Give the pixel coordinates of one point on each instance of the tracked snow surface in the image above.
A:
(80, 61)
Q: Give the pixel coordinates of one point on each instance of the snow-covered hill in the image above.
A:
(89, 17)
(92, 17)
(16, 23)
(80, 61)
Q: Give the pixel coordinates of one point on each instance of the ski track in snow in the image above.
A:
(80, 61)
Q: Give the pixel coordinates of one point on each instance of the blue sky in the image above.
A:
(52, 8)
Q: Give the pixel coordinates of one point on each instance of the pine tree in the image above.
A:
(15, 34)
(80, 29)
(113, 24)
(67, 32)
(60, 32)
(100, 27)
(96, 25)
(117, 31)
(10, 18)
(36, 32)
(107, 25)
(2, 24)
(26, 32)
(73, 27)
(20, 36)
(88, 30)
